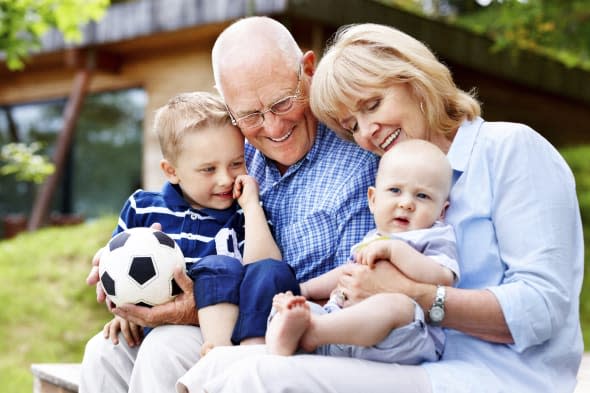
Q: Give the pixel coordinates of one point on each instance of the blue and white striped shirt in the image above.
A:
(318, 208)
(198, 232)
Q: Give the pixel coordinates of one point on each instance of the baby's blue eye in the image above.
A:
(422, 195)
(395, 190)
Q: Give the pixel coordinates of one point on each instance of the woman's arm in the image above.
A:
(474, 312)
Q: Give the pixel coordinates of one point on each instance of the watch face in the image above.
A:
(436, 314)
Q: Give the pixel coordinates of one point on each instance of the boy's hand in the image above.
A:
(246, 191)
(132, 333)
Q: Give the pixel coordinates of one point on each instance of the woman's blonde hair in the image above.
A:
(364, 58)
(185, 113)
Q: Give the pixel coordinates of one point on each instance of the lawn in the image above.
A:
(48, 312)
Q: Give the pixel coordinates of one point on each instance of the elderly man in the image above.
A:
(312, 185)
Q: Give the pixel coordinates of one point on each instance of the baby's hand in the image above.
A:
(374, 252)
(246, 191)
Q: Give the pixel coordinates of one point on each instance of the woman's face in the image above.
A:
(385, 118)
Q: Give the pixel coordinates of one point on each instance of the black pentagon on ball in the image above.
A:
(164, 239)
(176, 290)
(118, 241)
(142, 269)
(108, 284)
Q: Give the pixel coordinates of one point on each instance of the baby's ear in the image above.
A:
(169, 171)
(443, 212)
(371, 198)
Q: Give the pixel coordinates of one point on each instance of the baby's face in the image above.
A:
(409, 195)
(209, 162)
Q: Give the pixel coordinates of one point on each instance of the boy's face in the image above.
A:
(210, 160)
(409, 194)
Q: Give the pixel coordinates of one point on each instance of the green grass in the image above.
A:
(48, 312)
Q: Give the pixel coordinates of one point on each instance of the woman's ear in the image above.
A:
(169, 171)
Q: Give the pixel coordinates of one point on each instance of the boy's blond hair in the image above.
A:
(184, 113)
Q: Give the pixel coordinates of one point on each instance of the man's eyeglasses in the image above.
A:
(280, 107)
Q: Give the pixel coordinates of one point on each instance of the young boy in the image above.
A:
(224, 246)
(408, 203)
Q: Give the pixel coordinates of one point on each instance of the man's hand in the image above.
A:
(132, 333)
(180, 311)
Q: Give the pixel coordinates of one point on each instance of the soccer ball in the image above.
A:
(137, 266)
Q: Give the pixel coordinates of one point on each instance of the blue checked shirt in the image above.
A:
(318, 208)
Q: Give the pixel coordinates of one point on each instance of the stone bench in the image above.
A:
(55, 377)
(65, 377)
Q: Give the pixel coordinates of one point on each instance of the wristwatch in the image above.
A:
(437, 310)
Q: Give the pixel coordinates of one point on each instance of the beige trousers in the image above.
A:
(166, 353)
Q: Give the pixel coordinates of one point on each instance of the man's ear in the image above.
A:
(308, 63)
(169, 171)
(371, 198)
(444, 210)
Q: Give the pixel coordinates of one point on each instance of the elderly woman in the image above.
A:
(512, 322)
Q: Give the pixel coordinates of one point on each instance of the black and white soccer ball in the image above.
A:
(137, 267)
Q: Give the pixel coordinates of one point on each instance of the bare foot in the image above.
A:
(288, 324)
(206, 347)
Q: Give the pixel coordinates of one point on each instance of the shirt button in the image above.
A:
(193, 216)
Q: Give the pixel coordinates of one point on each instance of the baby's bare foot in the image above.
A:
(288, 324)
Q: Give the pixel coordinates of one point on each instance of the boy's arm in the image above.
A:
(259, 242)
(413, 264)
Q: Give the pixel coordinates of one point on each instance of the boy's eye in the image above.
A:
(237, 164)
(394, 190)
(208, 169)
(422, 195)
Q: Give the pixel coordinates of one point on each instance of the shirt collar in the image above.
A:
(463, 144)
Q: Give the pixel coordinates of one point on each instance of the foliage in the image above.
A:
(48, 312)
(577, 158)
(24, 22)
(555, 28)
(560, 29)
(25, 163)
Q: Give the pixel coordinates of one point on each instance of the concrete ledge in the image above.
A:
(56, 377)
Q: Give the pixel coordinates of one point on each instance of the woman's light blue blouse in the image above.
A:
(519, 234)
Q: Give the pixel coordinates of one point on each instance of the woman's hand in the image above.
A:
(180, 311)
